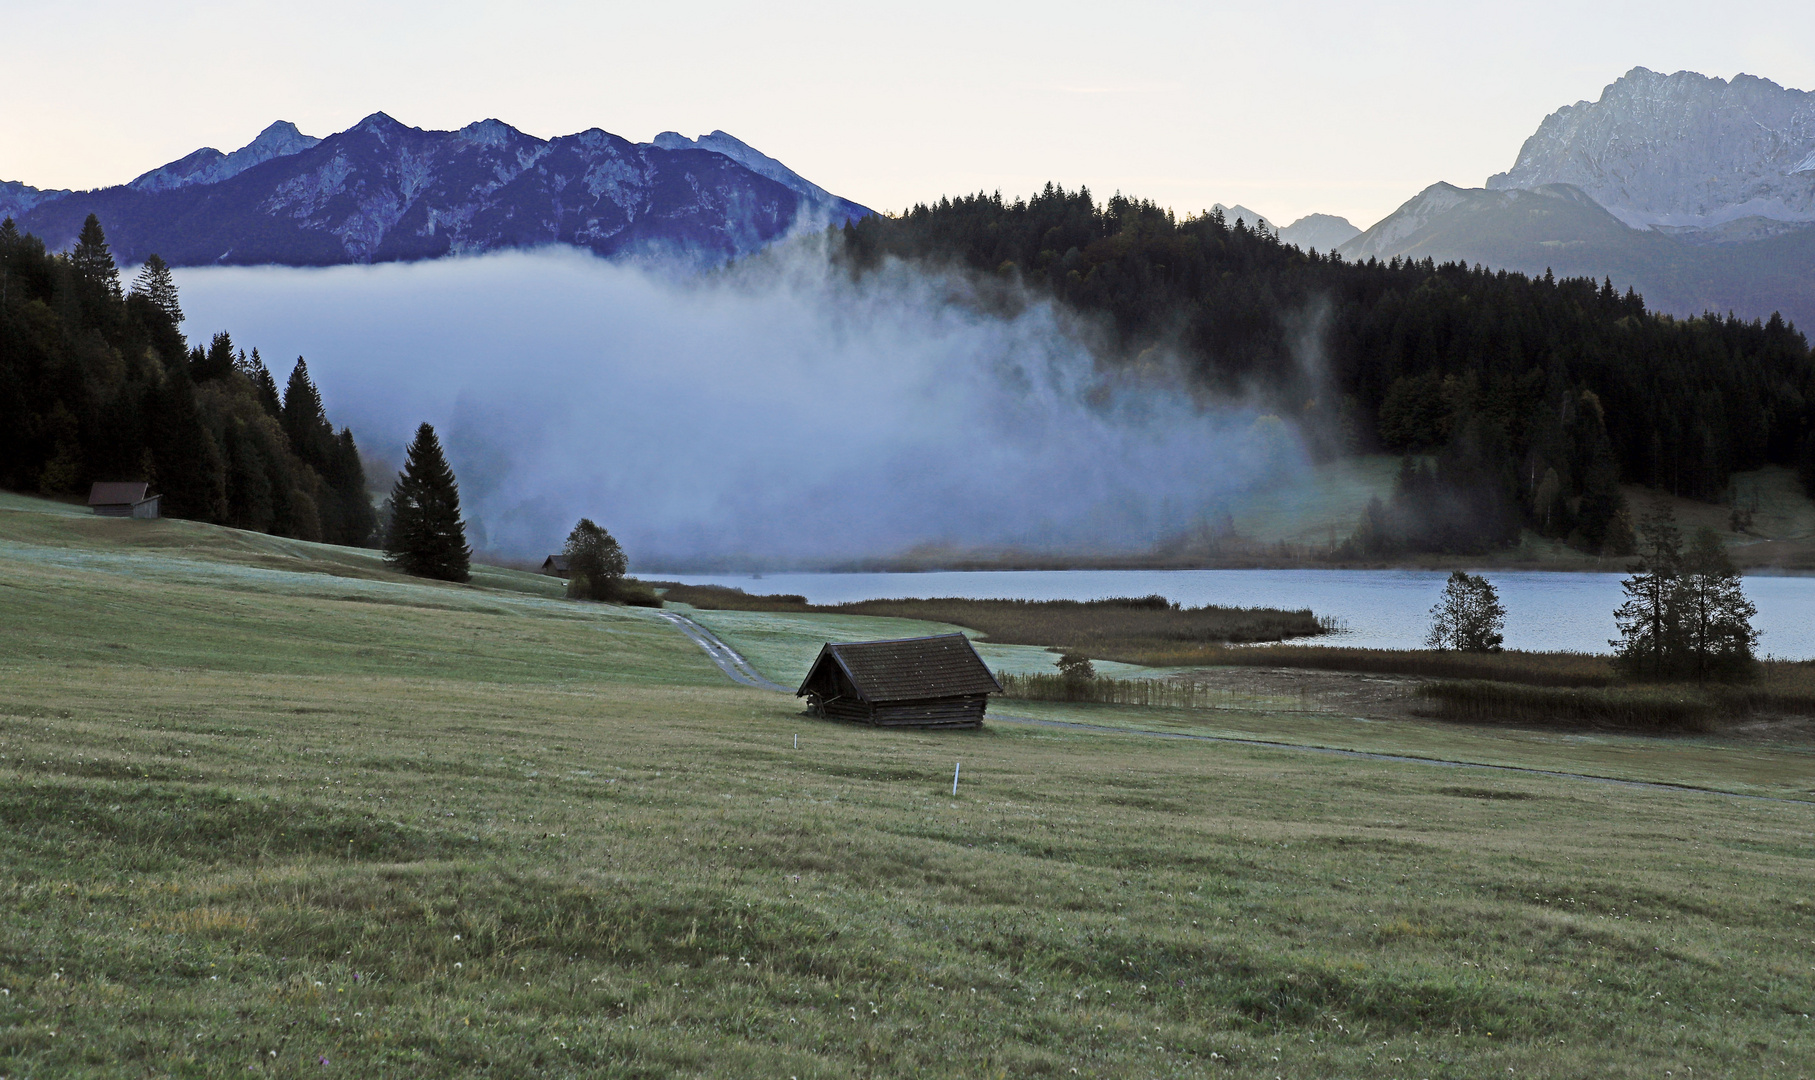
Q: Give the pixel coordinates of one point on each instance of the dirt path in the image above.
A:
(723, 655)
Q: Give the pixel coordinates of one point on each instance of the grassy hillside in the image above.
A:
(277, 812)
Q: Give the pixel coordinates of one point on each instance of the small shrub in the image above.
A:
(637, 594)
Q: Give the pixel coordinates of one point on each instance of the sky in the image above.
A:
(1288, 108)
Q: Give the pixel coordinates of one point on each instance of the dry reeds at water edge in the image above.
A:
(1148, 693)
(1118, 628)
(1650, 708)
(1644, 708)
(1532, 668)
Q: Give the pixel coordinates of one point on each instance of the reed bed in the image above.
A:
(1655, 708)
(1530, 668)
(1112, 629)
(1150, 693)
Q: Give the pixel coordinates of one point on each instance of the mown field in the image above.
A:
(270, 810)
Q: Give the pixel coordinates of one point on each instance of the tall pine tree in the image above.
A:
(93, 260)
(304, 419)
(426, 536)
(158, 287)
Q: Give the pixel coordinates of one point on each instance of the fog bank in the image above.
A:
(777, 414)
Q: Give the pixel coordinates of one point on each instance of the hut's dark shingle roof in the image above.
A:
(911, 669)
(116, 493)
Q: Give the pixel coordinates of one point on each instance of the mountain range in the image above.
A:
(1698, 192)
(382, 191)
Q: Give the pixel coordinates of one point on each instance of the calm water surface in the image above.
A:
(1380, 608)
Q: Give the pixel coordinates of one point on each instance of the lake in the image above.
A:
(1384, 609)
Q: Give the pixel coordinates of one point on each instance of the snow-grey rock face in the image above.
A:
(1680, 150)
(1320, 232)
(835, 209)
(210, 166)
(17, 198)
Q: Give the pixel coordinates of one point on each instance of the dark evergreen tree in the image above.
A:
(425, 535)
(264, 387)
(304, 419)
(158, 287)
(217, 362)
(595, 563)
(186, 463)
(93, 262)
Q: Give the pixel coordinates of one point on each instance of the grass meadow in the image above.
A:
(270, 810)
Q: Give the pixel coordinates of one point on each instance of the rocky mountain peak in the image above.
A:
(1680, 150)
(210, 166)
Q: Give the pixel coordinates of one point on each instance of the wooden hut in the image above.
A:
(120, 499)
(928, 682)
(556, 566)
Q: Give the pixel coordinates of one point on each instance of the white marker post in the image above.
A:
(955, 769)
(797, 742)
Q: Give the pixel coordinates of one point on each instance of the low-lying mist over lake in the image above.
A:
(778, 413)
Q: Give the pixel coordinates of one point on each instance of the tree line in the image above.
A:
(97, 382)
(1527, 400)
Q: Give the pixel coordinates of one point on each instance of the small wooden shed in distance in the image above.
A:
(928, 682)
(555, 566)
(120, 499)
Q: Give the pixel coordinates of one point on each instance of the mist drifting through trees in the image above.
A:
(779, 411)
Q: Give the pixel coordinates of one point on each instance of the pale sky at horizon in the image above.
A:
(1289, 109)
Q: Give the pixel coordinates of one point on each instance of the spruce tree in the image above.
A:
(156, 285)
(217, 363)
(264, 387)
(357, 521)
(426, 536)
(187, 464)
(93, 259)
(595, 563)
(304, 419)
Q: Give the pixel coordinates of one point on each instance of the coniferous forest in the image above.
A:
(1519, 401)
(98, 383)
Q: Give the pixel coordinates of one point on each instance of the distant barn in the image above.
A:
(930, 682)
(116, 499)
(555, 565)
